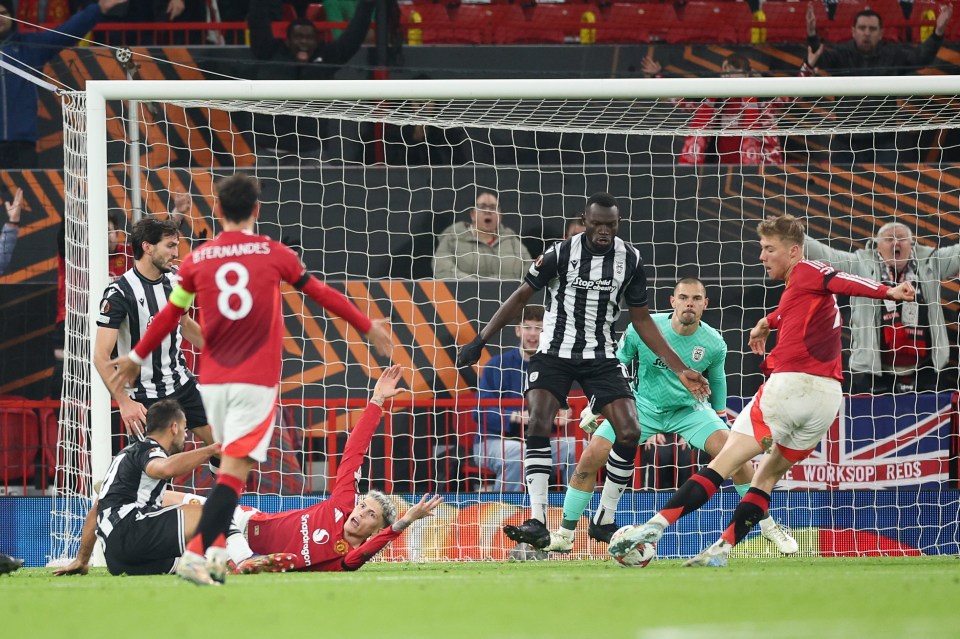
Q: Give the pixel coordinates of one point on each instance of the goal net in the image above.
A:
(362, 178)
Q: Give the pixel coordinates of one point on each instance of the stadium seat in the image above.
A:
(787, 21)
(552, 24)
(637, 22)
(19, 444)
(720, 22)
(288, 12)
(476, 23)
(838, 30)
(316, 12)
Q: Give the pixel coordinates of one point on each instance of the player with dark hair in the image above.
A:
(235, 280)
(793, 409)
(144, 527)
(586, 276)
(129, 305)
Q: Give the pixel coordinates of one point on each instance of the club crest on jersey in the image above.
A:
(321, 536)
(698, 353)
(618, 267)
(534, 376)
(341, 547)
(105, 307)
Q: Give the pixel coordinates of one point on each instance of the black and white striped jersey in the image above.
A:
(583, 296)
(129, 305)
(127, 488)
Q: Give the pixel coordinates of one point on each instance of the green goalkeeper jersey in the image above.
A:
(656, 386)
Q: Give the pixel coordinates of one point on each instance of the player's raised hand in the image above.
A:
(696, 383)
(379, 336)
(424, 508)
(387, 384)
(758, 337)
(126, 370)
(470, 354)
(75, 567)
(903, 292)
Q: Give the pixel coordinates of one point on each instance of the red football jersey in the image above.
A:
(120, 262)
(808, 319)
(236, 278)
(315, 534)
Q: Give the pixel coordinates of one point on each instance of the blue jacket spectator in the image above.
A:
(18, 96)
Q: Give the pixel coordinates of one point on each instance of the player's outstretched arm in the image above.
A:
(512, 308)
(355, 559)
(651, 336)
(181, 463)
(88, 539)
(377, 331)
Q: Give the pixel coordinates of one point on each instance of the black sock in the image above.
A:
(217, 514)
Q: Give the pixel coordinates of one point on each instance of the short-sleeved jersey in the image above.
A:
(583, 295)
(127, 487)
(808, 320)
(657, 387)
(236, 279)
(315, 534)
(128, 305)
(120, 261)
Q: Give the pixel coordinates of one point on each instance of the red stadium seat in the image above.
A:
(556, 23)
(637, 22)
(787, 21)
(840, 28)
(19, 443)
(316, 12)
(49, 434)
(713, 22)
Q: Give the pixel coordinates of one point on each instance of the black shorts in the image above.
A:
(146, 543)
(605, 379)
(190, 401)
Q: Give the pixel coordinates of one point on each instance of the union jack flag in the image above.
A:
(880, 442)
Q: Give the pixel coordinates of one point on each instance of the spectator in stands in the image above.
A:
(574, 226)
(742, 113)
(867, 54)
(897, 346)
(18, 95)
(301, 56)
(482, 247)
(119, 254)
(500, 441)
(11, 230)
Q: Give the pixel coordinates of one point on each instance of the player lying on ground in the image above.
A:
(793, 409)
(337, 533)
(336, 542)
(144, 527)
(235, 280)
(664, 406)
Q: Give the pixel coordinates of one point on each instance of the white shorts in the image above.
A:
(793, 411)
(241, 416)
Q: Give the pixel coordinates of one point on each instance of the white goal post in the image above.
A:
(618, 108)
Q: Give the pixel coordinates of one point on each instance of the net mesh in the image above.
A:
(364, 188)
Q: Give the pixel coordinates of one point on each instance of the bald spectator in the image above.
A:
(897, 346)
(482, 248)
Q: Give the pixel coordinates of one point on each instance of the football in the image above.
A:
(639, 556)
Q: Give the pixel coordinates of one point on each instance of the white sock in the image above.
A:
(609, 501)
(537, 486)
(238, 548)
(767, 523)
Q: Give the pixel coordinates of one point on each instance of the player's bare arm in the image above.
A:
(651, 336)
(758, 337)
(181, 463)
(88, 539)
(133, 414)
(512, 308)
(192, 331)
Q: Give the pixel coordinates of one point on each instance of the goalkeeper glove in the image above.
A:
(470, 354)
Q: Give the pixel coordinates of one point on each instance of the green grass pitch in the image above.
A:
(902, 598)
